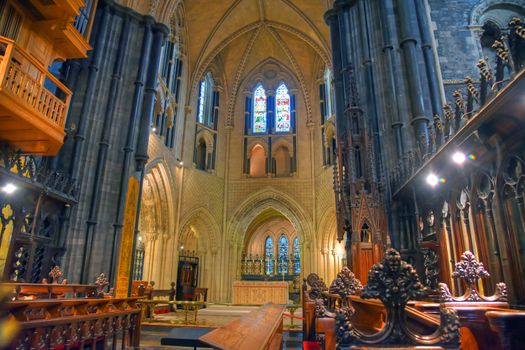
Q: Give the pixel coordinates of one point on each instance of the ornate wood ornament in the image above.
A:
(431, 269)
(395, 282)
(346, 284)
(55, 276)
(102, 282)
(317, 287)
(471, 270)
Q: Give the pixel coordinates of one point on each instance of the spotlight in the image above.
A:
(181, 247)
(459, 158)
(432, 180)
(154, 129)
(9, 188)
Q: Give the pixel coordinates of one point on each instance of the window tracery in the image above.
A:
(259, 110)
(283, 254)
(296, 257)
(268, 254)
(282, 109)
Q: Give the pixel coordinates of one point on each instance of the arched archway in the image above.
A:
(332, 255)
(200, 234)
(254, 207)
(157, 224)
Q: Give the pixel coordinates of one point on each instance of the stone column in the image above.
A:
(428, 55)
(408, 43)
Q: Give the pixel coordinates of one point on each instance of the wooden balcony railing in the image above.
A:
(28, 103)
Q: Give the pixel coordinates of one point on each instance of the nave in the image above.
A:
(245, 174)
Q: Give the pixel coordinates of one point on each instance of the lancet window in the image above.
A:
(283, 254)
(268, 255)
(296, 257)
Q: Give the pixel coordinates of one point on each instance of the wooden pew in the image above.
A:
(75, 323)
(472, 319)
(510, 326)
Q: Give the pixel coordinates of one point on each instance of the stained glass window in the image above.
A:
(296, 257)
(259, 110)
(268, 255)
(202, 98)
(282, 109)
(283, 254)
(328, 92)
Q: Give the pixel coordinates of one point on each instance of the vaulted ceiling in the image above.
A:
(235, 37)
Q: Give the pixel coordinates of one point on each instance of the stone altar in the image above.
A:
(259, 292)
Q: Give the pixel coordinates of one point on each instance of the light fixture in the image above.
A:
(154, 129)
(459, 157)
(340, 250)
(181, 247)
(9, 188)
(432, 180)
(140, 239)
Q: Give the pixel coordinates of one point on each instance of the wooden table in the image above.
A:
(259, 292)
(258, 330)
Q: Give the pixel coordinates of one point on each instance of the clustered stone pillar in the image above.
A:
(408, 43)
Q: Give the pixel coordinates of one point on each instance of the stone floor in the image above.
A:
(215, 316)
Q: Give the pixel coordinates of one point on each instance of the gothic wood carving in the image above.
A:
(395, 282)
(345, 284)
(470, 270)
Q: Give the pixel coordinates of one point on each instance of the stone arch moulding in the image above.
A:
(327, 228)
(159, 166)
(269, 199)
(201, 218)
(479, 10)
(207, 136)
(282, 142)
(254, 141)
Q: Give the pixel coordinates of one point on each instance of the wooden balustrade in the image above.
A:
(75, 323)
(19, 78)
(28, 103)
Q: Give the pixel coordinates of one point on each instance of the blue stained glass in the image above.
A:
(268, 254)
(296, 257)
(259, 110)
(202, 95)
(283, 254)
(282, 109)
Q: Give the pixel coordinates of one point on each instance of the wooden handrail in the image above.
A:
(35, 63)
(17, 81)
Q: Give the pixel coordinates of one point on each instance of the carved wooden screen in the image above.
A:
(363, 259)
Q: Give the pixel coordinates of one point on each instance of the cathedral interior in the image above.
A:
(262, 174)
